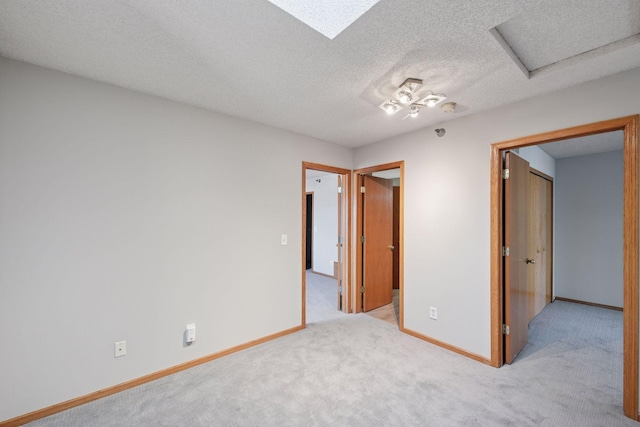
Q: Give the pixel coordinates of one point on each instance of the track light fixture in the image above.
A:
(390, 106)
(407, 95)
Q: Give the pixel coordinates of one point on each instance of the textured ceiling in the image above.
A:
(593, 144)
(251, 59)
(560, 30)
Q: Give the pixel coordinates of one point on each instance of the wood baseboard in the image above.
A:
(54, 409)
(593, 304)
(446, 346)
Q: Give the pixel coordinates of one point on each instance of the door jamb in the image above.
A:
(630, 256)
(357, 279)
(346, 251)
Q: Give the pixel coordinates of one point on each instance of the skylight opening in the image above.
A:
(328, 17)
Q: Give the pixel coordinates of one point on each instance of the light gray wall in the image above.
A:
(446, 188)
(589, 228)
(325, 222)
(119, 220)
(125, 217)
(539, 160)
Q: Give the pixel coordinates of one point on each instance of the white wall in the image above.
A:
(325, 222)
(589, 228)
(125, 217)
(446, 186)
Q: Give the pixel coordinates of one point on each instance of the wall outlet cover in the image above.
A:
(120, 348)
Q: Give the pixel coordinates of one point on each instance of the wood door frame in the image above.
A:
(346, 249)
(357, 279)
(629, 125)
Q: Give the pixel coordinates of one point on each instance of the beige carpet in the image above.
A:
(322, 301)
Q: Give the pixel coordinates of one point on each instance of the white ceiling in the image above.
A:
(592, 144)
(253, 60)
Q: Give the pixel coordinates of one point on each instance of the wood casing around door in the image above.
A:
(345, 217)
(629, 125)
(358, 267)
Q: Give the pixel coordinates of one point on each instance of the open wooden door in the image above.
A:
(540, 242)
(377, 250)
(516, 260)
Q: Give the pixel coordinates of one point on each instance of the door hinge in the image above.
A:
(505, 174)
(340, 289)
(362, 289)
(339, 190)
(505, 329)
(505, 251)
(341, 239)
(362, 189)
(362, 239)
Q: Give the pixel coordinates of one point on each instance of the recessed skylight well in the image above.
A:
(551, 34)
(328, 17)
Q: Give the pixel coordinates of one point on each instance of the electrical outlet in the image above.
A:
(283, 239)
(120, 349)
(433, 313)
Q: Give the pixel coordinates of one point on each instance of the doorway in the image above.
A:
(378, 244)
(332, 258)
(629, 125)
(527, 248)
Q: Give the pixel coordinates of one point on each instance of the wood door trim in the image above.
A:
(346, 262)
(357, 273)
(630, 257)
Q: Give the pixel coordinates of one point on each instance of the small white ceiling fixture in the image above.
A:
(449, 107)
(408, 94)
(328, 17)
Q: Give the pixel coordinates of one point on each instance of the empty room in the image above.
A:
(357, 212)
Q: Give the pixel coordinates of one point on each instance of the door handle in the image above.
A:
(392, 247)
(531, 261)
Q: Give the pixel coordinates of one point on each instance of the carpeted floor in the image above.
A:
(322, 301)
(356, 370)
(322, 298)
